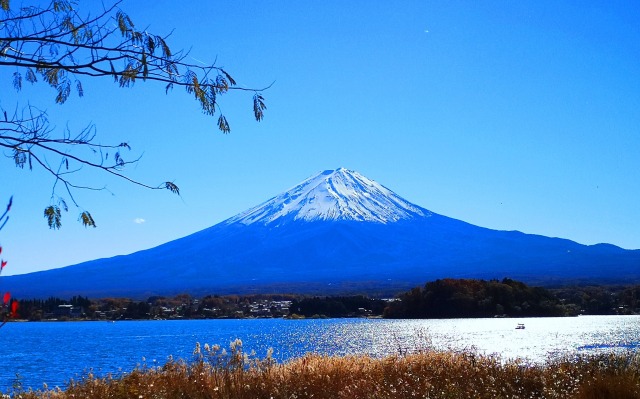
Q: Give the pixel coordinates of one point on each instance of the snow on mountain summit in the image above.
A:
(338, 194)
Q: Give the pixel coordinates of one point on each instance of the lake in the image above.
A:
(54, 352)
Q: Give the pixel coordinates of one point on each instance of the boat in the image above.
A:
(520, 326)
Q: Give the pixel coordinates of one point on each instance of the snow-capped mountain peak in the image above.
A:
(339, 194)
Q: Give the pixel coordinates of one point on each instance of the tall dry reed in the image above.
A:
(216, 373)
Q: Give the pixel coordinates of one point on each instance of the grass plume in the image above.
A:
(217, 373)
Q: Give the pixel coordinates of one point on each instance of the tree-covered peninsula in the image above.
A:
(451, 298)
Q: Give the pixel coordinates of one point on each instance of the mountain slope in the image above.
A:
(335, 232)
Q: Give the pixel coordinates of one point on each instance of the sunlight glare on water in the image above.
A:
(57, 351)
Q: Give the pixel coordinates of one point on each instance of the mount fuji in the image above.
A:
(336, 232)
(331, 196)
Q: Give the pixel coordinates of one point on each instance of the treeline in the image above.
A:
(36, 309)
(452, 298)
(446, 298)
(340, 306)
(600, 300)
(155, 307)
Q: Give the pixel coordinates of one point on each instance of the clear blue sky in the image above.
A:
(515, 115)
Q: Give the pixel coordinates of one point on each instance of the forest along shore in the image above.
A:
(446, 298)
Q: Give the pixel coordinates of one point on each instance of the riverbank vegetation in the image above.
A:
(215, 373)
(446, 298)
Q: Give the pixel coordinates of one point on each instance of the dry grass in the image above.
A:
(216, 373)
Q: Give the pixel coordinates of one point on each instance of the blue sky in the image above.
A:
(508, 115)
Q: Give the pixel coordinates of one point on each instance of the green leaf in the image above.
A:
(223, 124)
(62, 202)
(51, 76)
(119, 160)
(196, 87)
(222, 86)
(68, 25)
(64, 89)
(172, 187)
(87, 219)
(145, 67)
(79, 88)
(151, 45)
(231, 81)
(166, 51)
(136, 37)
(52, 214)
(20, 157)
(122, 22)
(17, 81)
(128, 76)
(31, 76)
(189, 79)
(258, 106)
(113, 72)
(62, 5)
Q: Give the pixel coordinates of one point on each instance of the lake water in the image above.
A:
(54, 352)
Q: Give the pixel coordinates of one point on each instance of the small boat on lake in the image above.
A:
(520, 326)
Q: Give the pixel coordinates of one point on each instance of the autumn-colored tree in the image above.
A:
(8, 307)
(59, 45)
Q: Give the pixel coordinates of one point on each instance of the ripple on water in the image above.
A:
(55, 352)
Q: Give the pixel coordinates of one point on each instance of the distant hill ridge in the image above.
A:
(336, 232)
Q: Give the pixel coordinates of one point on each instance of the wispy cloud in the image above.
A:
(138, 220)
